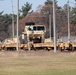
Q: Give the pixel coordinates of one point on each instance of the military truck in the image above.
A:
(33, 35)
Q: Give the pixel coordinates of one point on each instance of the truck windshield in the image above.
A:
(40, 28)
(36, 28)
(30, 28)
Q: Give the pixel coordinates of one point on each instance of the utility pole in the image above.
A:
(54, 25)
(17, 22)
(28, 41)
(50, 25)
(68, 21)
(12, 20)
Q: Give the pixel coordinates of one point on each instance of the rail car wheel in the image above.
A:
(73, 48)
(0, 49)
(48, 48)
(61, 49)
(25, 49)
(32, 47)
(70, 47)
(14, 48)
(5, 48)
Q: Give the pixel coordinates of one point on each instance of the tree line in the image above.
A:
(40, 16)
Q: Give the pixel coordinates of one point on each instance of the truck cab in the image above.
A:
(34, 33)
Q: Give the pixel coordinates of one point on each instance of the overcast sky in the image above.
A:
(6, 6)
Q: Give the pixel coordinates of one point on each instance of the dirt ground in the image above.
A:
(39, 62)
(22, 53)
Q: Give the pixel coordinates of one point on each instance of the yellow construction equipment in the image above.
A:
(33, 37)
(61, 46)
(10, 44)
(67, 46)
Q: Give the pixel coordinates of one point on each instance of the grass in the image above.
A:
(51, 64)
